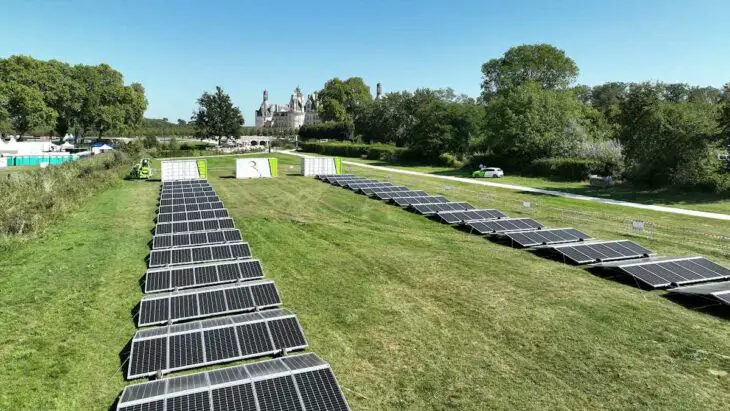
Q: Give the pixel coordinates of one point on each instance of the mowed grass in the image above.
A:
(702, 201)
(410, 313)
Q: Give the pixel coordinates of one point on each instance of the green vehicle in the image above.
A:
(143, 170)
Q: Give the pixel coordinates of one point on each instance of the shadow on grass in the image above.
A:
(701, 304)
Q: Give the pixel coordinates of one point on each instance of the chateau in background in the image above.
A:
(293, 115)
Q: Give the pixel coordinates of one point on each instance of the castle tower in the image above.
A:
(378, 91)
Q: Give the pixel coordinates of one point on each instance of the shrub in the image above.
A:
(33, 198)
(576, 169)
(331, 130)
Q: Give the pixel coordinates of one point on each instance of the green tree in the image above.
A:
(541, 64)
(340, 100)
(666, 142)
(676, 92)
(724, 117)
(529, 122)
(26, 109)
(607, 97)
(181, 122)
(216, 116)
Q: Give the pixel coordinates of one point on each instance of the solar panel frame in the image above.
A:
(546, 236)
(163, 241)
(157, 308)
(496, 226)
(598, 251)
(182, 358)
(215, 384)
(183, 277)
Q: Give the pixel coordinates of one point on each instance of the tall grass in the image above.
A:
(32, 199)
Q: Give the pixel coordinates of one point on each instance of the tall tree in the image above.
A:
(26, 109)
(216, 116)
(529, 122)
(340, 100)
(542, 64)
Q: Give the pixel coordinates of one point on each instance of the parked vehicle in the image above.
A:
(488, 172)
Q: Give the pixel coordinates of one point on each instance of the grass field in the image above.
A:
(410, 313)
(717, 203)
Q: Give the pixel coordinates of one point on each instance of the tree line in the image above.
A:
(56, 98)
(531, 116)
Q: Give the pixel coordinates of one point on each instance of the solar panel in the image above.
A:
(192, 215)
(406, 201)
(194, 226)
(671, 272)
(719, 291)
(206, 342)
(294, 382)
(546, 236)
(189, 200)
(180, 195)
(594, 252)
(371, 190)
(355, 183)
(340, 182)
(502, 225)
(182, 208)
(459, 217)
(325, 177)
(389, 195)
(188, 255)
(201, 275)
(431, 209)
(209, 301)
(197, 238)
(372, 186)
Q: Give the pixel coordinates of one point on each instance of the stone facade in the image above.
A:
(292, 115)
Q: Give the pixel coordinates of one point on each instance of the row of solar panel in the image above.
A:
(300, 382)
(185, 239)
(567, 243)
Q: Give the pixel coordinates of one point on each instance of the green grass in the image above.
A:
(702, 201)
(410, 313)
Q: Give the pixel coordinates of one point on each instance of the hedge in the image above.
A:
(330, 130)
(383, 152)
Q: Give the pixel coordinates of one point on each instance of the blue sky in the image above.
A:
(178, 49)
